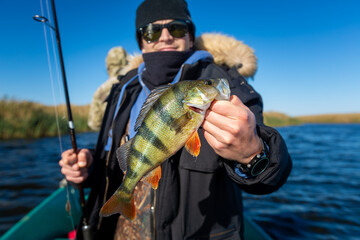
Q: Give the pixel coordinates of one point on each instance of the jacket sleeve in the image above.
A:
(280, 161)
(275, 175)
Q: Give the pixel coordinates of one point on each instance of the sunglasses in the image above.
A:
(152, 32)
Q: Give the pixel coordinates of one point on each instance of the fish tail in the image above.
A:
(117, 204)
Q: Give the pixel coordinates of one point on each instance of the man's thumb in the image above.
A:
(82, 160)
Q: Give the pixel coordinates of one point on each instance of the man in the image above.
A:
(195, 199)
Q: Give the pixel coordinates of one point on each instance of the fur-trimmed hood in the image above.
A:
(226, 50)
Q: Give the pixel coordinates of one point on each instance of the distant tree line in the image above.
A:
(24, 119)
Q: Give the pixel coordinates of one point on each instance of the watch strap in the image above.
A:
(257, 165)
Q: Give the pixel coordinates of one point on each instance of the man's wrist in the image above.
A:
(257, 165)
(259, 150)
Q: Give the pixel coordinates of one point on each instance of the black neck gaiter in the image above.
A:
(162, 67)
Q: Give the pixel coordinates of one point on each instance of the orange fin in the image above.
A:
(193, 144)
(117, 205)
(153, 177)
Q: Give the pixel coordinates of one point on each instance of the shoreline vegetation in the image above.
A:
(24, 119)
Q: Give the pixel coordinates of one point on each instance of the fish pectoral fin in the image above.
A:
(153, 177)
(180, 122)
(122, 155)
(193, 144)
(118, 205)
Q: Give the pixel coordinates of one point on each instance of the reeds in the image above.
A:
(23, 119)
(275, 119)
(332, 118)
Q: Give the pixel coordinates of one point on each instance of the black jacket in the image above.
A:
(196, 199)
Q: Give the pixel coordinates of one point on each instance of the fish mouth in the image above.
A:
(199, 109)
(195, 109)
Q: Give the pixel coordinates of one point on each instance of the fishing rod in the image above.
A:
(86, 227)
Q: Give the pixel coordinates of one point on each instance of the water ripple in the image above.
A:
(29, 173)
(321, 198)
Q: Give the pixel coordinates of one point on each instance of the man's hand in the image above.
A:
(230, 129)
(75, 166)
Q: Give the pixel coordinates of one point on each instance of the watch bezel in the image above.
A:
(249, 168)
(255, 162)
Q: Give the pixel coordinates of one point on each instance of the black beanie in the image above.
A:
(152, 10)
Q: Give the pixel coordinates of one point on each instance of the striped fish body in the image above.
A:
(168, 120)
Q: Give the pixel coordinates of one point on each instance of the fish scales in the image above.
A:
(169, 122)
(168, 108)
(147, 143)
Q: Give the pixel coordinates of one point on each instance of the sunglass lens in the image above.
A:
(178, 29)
(152, 32)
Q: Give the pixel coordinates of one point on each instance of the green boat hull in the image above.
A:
(50, 220)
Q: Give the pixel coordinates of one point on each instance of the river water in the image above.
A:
(321, 199)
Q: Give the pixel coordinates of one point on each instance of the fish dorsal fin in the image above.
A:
(193, 144)
(149, 102)
(153, 177)
(122, 155)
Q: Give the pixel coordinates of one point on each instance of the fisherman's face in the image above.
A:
(166, 41)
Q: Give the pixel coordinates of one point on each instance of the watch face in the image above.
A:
(260, 166)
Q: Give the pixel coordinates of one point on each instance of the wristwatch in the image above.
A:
(257, 165)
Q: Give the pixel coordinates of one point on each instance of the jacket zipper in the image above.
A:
(152, 212)
(153, 192)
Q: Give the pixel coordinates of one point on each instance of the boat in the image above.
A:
(50, 220)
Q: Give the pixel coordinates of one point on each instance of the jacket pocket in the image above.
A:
(229, 233)
(221, 234)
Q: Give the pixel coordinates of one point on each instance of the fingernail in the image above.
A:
(81, 164)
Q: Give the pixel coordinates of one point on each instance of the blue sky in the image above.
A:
(308, 51)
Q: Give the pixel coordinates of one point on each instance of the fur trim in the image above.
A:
(134, 62)
(226, 50)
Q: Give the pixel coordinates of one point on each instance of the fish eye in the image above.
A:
(208, 82)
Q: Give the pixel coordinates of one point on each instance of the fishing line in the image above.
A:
(51, 79)
(62, 98)
(68, 206)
